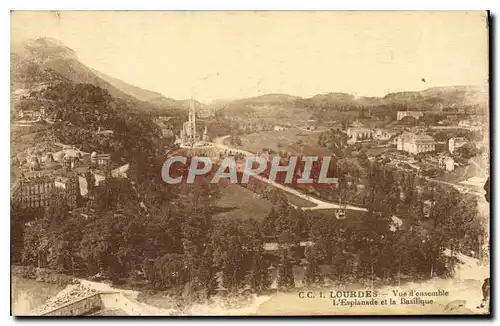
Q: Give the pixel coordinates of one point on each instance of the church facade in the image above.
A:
(188, 135)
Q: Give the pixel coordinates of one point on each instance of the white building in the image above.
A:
(359, 134)
(188, 131)
(278, 128)
(415, 114)
(464, 124)
(415, 144)
(446, 163)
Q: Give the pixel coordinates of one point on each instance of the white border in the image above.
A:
(191, 5)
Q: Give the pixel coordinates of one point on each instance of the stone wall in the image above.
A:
(78, 308)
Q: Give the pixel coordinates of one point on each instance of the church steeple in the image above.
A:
(192, 119)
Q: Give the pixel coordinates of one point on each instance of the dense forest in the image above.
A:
(80, 110)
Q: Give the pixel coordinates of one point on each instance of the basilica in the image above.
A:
(188, 135)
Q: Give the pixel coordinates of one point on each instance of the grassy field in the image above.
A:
(297, 201)
(291, 140)
(240, 203)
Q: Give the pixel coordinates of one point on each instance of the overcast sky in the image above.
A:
(211, 55)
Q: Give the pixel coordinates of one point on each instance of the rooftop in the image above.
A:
(104, 156)
(424, 139)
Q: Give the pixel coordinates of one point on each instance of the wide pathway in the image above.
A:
(320, 204)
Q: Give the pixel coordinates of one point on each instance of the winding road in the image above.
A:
(320, 204)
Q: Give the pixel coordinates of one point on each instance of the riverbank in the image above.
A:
(462, 296)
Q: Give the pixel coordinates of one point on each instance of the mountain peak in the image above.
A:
(43, 49)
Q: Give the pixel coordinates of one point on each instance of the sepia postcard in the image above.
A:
(249, 163)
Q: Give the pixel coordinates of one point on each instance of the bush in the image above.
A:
(43, 275)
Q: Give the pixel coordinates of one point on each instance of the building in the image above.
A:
(456, 143)
(464, 124)
(358, 134)
(415, 143)
(35, 191)
(427, 208)
(99, 177)
(103, 160)
(167, 132)
(415, 114)
(121, 172)
(446, 163)
(100, 160)
(31, 114)
(188, 131)
(477, 126)
(278, 128)
(71, 187)
(383, 134)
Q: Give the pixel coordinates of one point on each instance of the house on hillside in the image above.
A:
(278, 128)
(415, 143)
(415, 114)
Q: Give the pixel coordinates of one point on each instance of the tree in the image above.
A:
(258, 276)
(314, 257)
(34, 243)
(19, 219)
(230, 250)
(90, 179)
(56, 213)
(63, 244)
(467, 151)
(330, 244)
(169, 271)
(363, 159)
(269, 223)
(96, 247)
(285, 270)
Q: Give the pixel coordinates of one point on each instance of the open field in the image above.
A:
(240, 203)
(290, 140)
(297, 201)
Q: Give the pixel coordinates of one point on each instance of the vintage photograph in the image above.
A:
(249, 163)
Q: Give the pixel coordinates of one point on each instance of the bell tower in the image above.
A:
(192, 120)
